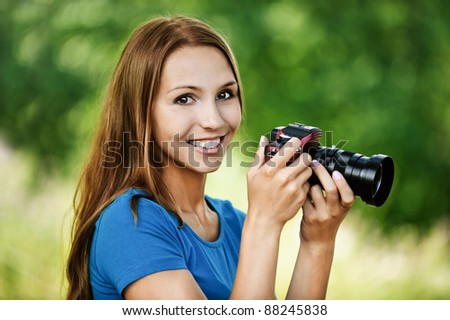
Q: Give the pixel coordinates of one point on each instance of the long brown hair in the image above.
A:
(114, 164)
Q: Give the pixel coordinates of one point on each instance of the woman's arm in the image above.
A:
(323, 213)
(255, 276)
(311, 273)
(275, 194)
(165, 285)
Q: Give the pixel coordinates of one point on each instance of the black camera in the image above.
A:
(370, 178)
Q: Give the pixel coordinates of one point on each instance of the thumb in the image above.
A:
(259, 159)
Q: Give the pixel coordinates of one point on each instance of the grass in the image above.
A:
(34, 229)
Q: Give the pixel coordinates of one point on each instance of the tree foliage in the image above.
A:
(375, 73)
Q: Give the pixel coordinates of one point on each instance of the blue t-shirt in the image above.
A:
(123, 251)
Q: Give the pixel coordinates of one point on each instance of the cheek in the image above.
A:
(232, 116)
(168, 125)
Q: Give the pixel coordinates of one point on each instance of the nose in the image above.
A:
(210, 117)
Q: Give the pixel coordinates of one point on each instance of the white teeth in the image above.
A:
(208, 144)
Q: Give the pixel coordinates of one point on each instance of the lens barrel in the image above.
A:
(370, 178)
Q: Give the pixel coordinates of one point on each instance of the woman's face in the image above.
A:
(197, 109)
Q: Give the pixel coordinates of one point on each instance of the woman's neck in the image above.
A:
(187, 187)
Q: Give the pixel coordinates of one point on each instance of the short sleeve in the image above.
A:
(124, 250)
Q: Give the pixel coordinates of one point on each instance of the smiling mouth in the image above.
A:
(207, 144)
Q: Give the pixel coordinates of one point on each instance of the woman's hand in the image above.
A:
(277, 191)
(324, 210)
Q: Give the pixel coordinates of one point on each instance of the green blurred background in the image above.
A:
(374, 73)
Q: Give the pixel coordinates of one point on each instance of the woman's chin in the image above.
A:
(200, 165)
(207, 167)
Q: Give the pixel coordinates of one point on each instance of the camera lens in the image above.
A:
(370, 178)
(378, 177)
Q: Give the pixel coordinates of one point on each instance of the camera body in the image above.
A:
(308, 135)
(370, 178)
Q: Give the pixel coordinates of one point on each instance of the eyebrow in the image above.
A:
(195, 88)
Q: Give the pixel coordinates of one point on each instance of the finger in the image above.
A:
(306, 187)
(316, 194)
(346, 193)
(304, 174)
(259, 159)
(299, 170)
(309, 204)
(327, 182)
(285, 153)
(299, 175)
(301, 163)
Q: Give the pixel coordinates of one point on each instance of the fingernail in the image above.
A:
(261, 141)
(337, 175)
(315, 163)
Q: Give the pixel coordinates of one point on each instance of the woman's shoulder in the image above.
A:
(128, 245)
(122, 202)
(120, 210)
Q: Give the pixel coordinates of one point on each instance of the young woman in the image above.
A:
(144, 229)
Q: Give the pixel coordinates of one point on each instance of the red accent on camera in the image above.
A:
(279, 133)
(306, 139)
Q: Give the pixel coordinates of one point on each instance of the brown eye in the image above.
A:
(224, 95)
(184, 99)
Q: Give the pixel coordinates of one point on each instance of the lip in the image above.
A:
(209, 151)
(209, 138)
